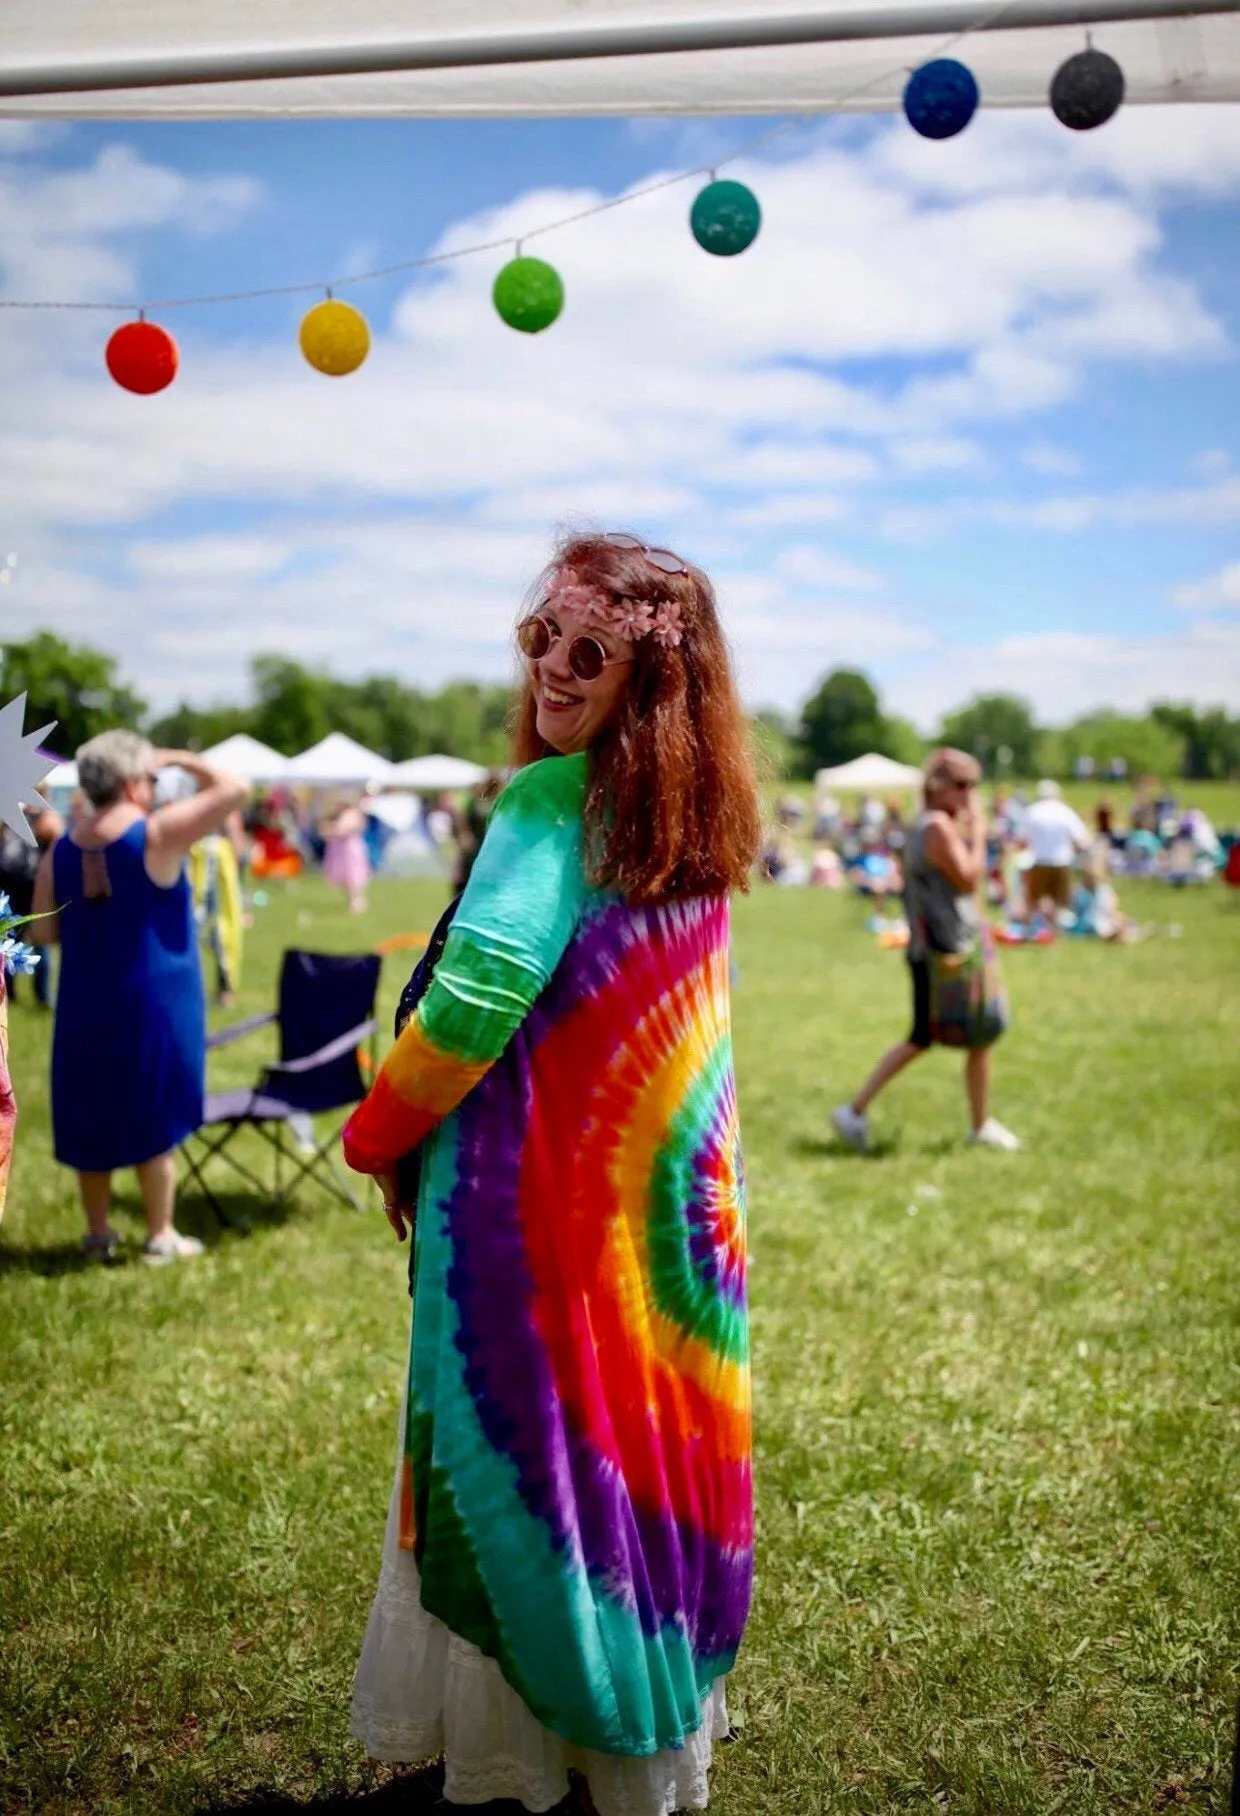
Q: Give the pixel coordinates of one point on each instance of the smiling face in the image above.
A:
(572, 713)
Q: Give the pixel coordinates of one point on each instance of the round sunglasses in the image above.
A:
(586, 656)
(662, 559)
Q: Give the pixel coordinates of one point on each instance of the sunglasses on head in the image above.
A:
(663, 559)
(586, 656)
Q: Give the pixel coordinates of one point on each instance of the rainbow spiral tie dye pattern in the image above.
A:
(577, 1479)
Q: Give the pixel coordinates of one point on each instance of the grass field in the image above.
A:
(998, 1417)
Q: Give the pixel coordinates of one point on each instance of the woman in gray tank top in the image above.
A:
(944, 868)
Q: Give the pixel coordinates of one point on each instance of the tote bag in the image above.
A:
(968, 1007)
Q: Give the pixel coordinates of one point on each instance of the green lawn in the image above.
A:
(998, 1423)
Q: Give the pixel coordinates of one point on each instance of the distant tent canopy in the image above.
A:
(161, 59)
(429, 775)
(64, 775)
(246, 757)
(338, 761)
(871, 774)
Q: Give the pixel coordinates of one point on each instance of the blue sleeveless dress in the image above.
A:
(129, 1049)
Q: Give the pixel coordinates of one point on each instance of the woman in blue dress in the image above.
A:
(129, 1046)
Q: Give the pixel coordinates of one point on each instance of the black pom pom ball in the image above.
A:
(1087, 90)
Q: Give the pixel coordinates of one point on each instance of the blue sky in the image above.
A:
(965, 415)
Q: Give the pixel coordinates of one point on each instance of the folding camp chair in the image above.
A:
(326, 1012)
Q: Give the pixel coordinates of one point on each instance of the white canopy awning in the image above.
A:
(400, 812)
(337, 760)
(870, 773)
(162, 58)
(248, 757)
(430, 774)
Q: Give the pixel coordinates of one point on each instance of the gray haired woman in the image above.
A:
(950, 965)
(128, 1051)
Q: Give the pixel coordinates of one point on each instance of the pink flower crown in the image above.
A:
(626, 617)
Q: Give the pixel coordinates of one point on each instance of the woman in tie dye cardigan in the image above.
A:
(568, 1562)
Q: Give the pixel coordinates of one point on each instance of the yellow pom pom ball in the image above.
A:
(334, 338)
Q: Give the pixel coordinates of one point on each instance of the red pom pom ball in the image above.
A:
(142, 357)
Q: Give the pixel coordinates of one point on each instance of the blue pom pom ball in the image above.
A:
(941, 98)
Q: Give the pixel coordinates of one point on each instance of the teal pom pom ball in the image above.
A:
(725, 218)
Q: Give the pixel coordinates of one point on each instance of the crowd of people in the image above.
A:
(1046, 871)
(567, 1564)
(348, 835)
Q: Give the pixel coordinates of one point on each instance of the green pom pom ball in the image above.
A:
(528, 294)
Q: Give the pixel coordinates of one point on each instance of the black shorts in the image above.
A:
(919, 1034)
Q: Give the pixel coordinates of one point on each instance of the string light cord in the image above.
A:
(430, 259)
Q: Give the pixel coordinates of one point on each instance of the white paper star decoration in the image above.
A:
(21, 767)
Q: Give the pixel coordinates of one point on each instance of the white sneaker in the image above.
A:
(158, 1251)
(852, 1127)
(992, 1134)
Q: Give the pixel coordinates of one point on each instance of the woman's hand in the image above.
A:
(973, 823)
(397, 1214)
(189, 761)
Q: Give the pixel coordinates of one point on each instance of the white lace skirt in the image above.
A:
(422, 1690)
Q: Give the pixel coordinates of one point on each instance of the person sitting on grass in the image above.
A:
(1095, 905)
(129, 1043)
(956, 1001)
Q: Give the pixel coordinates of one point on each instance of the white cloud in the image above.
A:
(210, 559)
(1145, 152)
(792, 512)
(934, 454)
(786, 635)
(120, 192)
(1045, 457)
(26, 135)
(1221, 589)
(806, 564)
(1208, 505)
(55, 224)
(596, 503)
(900, 299)
(1018, 290)
(1066, 673)
(1212, 461)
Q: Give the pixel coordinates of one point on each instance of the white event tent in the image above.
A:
(248, 758)
(64, 775)
(870, 774)
(337, 761)
(215, 60)
(428, 775)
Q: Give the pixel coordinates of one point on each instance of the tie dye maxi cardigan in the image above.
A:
(576, 1482)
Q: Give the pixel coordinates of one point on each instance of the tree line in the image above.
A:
(844, 718)
(293, 706)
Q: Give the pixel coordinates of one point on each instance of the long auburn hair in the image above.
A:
(672, 805)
